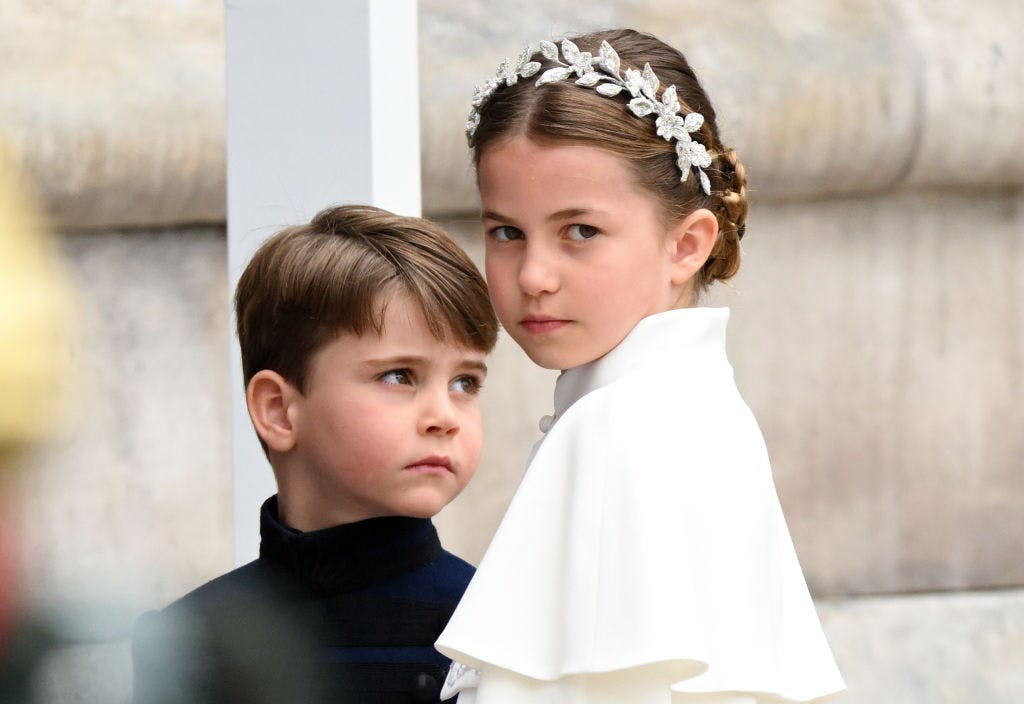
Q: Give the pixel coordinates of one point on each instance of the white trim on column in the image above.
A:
(322, 109)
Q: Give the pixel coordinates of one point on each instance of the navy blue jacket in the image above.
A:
(344, 614)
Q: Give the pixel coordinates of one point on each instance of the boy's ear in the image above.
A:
(269, 397)
(691, 242)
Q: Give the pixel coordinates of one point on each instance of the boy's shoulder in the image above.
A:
(254, 583)
(249, 578)
(443, 579)
(211, 644)
(231, 597)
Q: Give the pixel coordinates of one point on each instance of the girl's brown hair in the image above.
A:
(564, 112)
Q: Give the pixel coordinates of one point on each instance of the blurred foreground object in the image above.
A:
(33, 317)
(33, 320)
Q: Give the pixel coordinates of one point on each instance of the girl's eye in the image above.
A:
(396, 376)
(467, 385)
(506, 233)
(580, 233)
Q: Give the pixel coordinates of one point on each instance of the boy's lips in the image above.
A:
(538, 324)
(435, 464)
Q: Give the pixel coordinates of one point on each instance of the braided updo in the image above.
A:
(565, 112)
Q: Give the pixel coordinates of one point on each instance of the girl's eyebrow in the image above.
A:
(567, 213)
(493, 215)
(564, 214)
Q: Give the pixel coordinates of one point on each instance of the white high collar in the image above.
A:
(674, 336)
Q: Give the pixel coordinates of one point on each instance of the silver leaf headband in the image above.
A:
(603, 72)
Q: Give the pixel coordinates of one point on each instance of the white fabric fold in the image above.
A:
(647, 533)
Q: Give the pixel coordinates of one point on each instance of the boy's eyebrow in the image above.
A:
(475, 364)
(409, 360)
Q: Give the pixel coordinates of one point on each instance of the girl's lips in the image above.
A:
(542, 325)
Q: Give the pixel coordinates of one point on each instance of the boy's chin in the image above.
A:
(423, 504)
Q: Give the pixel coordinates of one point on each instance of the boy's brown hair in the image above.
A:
(308, 284)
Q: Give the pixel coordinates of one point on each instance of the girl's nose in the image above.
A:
(537, 271)
(438, 415)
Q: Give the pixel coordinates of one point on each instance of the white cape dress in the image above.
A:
(644, 555)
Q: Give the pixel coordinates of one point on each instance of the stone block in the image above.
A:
(119, 115)
(117, 109)
(879, 343)
(965, 648)
(818, 98)
(133, 496)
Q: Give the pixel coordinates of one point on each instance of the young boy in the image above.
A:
(363, 336)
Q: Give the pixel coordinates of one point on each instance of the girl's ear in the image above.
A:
(691, 242)
(270, 398)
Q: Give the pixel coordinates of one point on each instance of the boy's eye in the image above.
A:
(467, 385)
(581, 232)
(506, 233)
(396, 376)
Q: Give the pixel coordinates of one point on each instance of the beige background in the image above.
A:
(877, 323)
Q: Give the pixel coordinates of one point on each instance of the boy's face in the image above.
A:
(389, 425)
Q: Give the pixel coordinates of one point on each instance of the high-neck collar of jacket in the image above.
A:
(350, 556)
(675, 338)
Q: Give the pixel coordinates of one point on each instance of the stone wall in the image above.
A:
(118, 115)
(876, 324)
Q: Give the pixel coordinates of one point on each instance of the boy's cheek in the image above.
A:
(474, 438)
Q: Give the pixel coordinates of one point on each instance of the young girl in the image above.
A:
(644, 557)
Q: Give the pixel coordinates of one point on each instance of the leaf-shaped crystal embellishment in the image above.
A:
(642, 85)
(669, 101)
(507, 72)
(651, 82)
(680, 134)
(684, 167)
(705, 182)
(609, 90)
(549, 50)
(634, 82)
(482, 93)
(668, 125)
(570, 51)
(529, 69)
(698, 154)
(552, 75)
(472, 123)
(584, 64)
(609, 59)
(523, 57)
(641, 107)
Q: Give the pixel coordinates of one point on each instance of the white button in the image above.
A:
(545, 423)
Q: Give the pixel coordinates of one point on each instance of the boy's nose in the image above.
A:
(537, 273)
(438, 415)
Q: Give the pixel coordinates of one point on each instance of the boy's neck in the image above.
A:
(301, 514)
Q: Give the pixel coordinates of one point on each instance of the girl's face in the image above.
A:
(576, 253)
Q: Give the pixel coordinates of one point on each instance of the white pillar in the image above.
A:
(322, 109)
